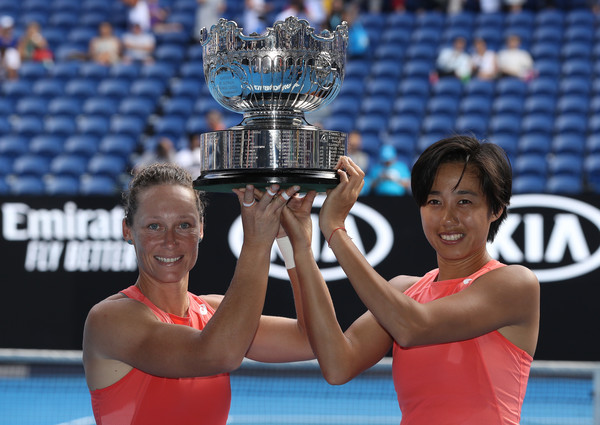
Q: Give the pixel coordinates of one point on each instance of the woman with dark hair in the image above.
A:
(464, 334)
(155, 353)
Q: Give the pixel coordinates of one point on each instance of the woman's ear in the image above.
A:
(127, 236)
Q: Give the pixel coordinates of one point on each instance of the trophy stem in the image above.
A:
(274, 119)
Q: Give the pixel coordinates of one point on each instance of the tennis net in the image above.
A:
(39, 387)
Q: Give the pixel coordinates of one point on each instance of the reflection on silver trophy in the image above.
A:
(273, 79)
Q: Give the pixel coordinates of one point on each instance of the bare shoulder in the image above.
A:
(214, 300)
(403, 282)
(515, 276)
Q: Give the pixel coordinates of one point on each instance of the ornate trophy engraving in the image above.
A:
(273, 79)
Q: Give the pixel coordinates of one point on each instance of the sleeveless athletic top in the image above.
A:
(143, 399)
(473, 382)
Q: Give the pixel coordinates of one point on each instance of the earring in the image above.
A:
(129, 241)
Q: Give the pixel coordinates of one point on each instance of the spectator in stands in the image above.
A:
(483, 61)
(105, 48)
(255, 14)
(454, 61)
(10, 58)
(159, 23)
(214, 120)
(138, 13)
(355, 151)
(164, 152)
(33, 46)
(138, 45)
(189, 157)
(208, 13)
(310, 10)
(390, 176)
(514, 61)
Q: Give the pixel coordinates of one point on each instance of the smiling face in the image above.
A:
(456, 216)
(166, 230)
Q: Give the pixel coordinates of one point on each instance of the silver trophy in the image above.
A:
(273, 79)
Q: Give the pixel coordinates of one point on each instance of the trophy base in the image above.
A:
(226, 180)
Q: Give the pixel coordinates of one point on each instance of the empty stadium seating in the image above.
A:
(76, 126)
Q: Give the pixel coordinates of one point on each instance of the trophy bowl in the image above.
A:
(272, 79)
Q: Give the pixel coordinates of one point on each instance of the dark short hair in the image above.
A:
(487, 160)
(157, 174)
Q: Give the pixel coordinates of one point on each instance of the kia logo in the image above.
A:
(551, 235)
(359, 216)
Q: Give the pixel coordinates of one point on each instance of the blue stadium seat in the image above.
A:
(472, 124)
(426, 35)
(127, 71)
(417, 69)
(171, 53)
(403, 125)
(531, 164)
(573, 104)
(85, 145)
(183, 106)
(583, 34)
(81, 88)
(539, 144)
(61, 185)
(511, 86)
(31, 165)
(545, 50)
(396, 35)
(566, 165)
(118, 144)
(447, 105)
(12, 145)
(377, 104)
(577, 67)
(195, 69)
(83, 34)
(507, 142)
(413, 106)
(344, 105)
(197, 124)
(97, 185)
(31, 71)
(574, 85)
(543, 86)
(480, 87)
(100, 105)
(60, 125)
(65, 70)
(547, 34)
(386, 68)
(505, 124)
(48, 88)
(382, 51)
(564, 184)
(512, 104)
(571, 123)
(64, 105)
(158, 70)
(32, 105)
(540, 104)
(46, 145)
(476, 104)
(171, 126)
(116, 88)
(537, 123)
(106, 165)
(492, 36)
(448, 86)
(185, 87)
(6, 168)
(591, 168)
(27, 125)
(127, 124)
(68, 164)
(152, 88)
(15, 89)
(438, 123)
(550, 17)
(547, 68)
(569, 143)
(139, 106)
(529, 184)
(26, 185)
(371, 124)
(414, 87)
(425, 52)
(351, 86)
(97, 124)
(427, 139)
(592, 144)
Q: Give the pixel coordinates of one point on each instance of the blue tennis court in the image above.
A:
(288, 394)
